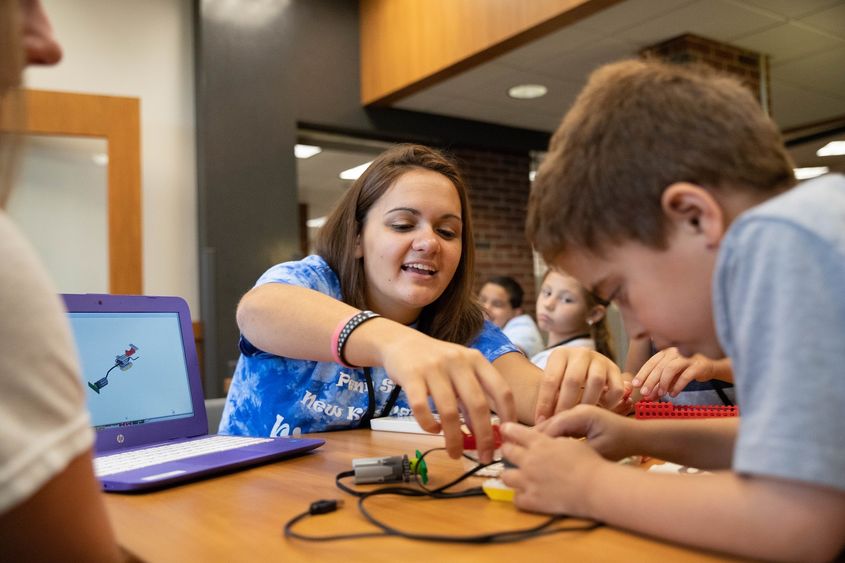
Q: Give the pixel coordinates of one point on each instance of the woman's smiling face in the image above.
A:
(411, 244)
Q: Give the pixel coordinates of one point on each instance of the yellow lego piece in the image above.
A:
(495, 489)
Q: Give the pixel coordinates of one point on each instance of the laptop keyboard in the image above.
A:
(127, 461)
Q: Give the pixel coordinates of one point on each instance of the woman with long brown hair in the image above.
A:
(383, 321)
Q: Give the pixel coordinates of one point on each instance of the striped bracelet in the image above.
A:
(342, 332)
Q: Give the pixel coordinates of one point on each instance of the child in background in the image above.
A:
(383, 318)
(501, 297)
(571, 316)
(668, 191)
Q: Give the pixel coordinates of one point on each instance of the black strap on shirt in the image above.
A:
(568, 340)
(371, 400)
(723, 396)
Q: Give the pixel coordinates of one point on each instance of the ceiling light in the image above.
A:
(532, 175)
(527, 91)
(354, 173)
(810, 172)
(100, 159)
(306, 151)
(316, 222)
(833, 148)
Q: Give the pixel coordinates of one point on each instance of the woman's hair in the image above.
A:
(599, 331)
(11, 106)
(455, 316)
(511, 287)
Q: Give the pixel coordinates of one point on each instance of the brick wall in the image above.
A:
(749, 66)
(499, 188)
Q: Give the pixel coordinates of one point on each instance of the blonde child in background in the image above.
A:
(571, 316)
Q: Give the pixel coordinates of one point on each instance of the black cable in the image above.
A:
(440, 493)
(323, 507)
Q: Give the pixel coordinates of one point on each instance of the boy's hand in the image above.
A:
(458, 380)
(552, 475)
(670, 372)
(611, 435)
(578, 375)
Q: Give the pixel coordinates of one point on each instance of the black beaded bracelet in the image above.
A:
(343, 331)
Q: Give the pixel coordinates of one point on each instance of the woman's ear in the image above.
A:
(596, 314)
(694, 209)
(359, 248)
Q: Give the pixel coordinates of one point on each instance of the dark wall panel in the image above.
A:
(248, 209)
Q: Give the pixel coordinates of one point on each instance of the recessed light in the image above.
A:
(833, 148)
(354, 173)
(306, 151)
(100, 159)
(810, 172)
(527, 91)
(316, 222)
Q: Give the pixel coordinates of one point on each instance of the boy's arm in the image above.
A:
(750, 516)
(615, 437)
(705, 444)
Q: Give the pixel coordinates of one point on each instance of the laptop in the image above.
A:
(144, 394)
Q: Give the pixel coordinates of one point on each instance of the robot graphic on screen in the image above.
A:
(123, 361)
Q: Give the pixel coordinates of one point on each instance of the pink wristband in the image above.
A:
(335, 335)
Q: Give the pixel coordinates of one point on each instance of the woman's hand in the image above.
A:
(458, 379)
(579, 375)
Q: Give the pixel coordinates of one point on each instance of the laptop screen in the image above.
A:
(133, 367)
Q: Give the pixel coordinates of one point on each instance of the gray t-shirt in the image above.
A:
(779, 306)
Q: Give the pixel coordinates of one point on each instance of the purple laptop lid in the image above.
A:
(143, 386)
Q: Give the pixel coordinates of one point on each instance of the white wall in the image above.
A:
(142, 49)
(60, 203)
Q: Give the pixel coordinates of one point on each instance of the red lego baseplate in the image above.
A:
(654, 409)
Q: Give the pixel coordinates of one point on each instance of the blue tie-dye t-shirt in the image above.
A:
(276, 396)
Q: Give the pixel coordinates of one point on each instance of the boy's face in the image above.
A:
(497, 304)
(663, 294)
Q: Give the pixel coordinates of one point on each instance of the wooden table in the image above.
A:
(239, 517)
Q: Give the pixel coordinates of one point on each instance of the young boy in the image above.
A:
(501, 297)
(667, 191)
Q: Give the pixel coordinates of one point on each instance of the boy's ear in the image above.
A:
(694, 208)
(596, 314)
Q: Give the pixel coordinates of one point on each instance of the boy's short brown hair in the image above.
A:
(636, 128)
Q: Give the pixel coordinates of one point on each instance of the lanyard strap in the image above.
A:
(723, 396)
(570, 339)
(371, 400)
